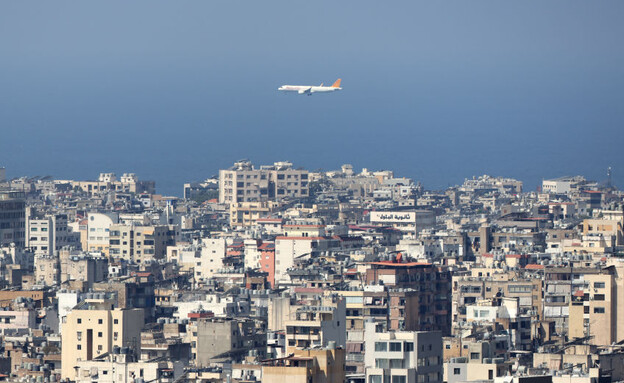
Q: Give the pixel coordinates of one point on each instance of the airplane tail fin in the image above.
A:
(337, 84)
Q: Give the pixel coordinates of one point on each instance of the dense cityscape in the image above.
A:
(281, 274)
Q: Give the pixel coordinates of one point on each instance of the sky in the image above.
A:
(436, 91)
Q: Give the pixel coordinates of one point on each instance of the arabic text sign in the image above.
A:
(389, 216)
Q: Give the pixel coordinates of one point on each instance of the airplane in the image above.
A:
(309, 89)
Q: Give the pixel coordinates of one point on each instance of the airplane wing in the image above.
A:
(306, 90)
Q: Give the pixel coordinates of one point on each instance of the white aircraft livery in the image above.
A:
(309, 89)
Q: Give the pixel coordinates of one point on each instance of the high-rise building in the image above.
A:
(12, 217)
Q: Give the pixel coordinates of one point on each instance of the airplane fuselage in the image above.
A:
(309, 89)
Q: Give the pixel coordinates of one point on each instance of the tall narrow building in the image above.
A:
(12, 218)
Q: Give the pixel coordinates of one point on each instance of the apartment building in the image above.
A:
(222, 339)
(203, 258)
(562, 185)
(82, 267)
(324, 365)
(596, 310)
(433, 285)
(12, 218)
(316, 325)
(464, 370)
(288, 248)
(108, 182)
(98, 231)
(93, 328)
(141, 243)
(560, 284)
(309, 320)
(247, 214)
(469, 289)
(47, 270)
(402, 356)
(120, 366)
(244, 183)
(48, 233)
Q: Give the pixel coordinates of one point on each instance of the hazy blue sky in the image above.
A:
(437, 91)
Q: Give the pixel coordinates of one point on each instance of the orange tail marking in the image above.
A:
(337, 84)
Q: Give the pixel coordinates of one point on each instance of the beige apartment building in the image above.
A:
(596, 311)
(94, 328)
(325, 365)
(141, 243)
(247, 214)
(244, 183)
(47, 270)
(108, 182)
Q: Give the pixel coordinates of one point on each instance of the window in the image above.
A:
(381, 363)
(115, 335)
(79, 335)
(116, 321)
(99, 321)
(374, 379)
(398, 379)
(456, 371)
(381, 346)
(599, 310)
(79, 347)
(396, 363)
(409, 346)
(599, 285)
(100, 334)
(599, 297)
(395, 346)
(474, 355)
(100, 348)
(79, 320)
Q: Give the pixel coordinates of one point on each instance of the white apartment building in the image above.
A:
(402, 356)
(121, 367)
(204, 258)
(98, 230)
(562, 185)
(47, 234)
(287, 249)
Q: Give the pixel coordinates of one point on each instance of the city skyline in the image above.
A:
(176, 190)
